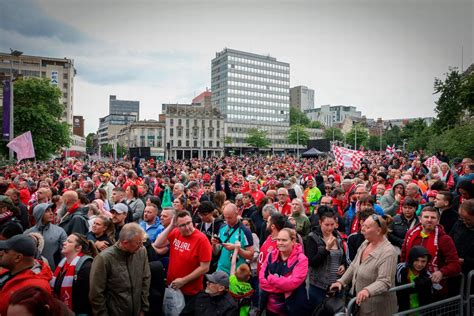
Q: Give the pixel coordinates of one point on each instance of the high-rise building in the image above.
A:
(124, 107)
(302, 98)
(60, 71)
(251, 91)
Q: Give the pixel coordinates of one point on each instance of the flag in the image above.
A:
(390, 150)
(347, 157)
(23, 146)
(431, 161)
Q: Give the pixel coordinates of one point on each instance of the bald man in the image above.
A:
(229, 233)
(75, 220)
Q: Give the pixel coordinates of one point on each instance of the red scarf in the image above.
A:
(430, 243)
(74, 208)
(5, 216)
(66, 269)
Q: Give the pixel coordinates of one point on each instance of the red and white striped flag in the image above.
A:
(431, 161)
(23, 146)
(347, 157)
(390, 149)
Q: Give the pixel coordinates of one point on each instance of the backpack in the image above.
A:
(79, 265)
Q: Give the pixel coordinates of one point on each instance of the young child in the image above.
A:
(239, 287)
(415, 270)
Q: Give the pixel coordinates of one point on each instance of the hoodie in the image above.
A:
(38, 275)
(388, 202)
(423, 285)
(54, 236)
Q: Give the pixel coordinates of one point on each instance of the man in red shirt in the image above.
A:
(255, 192)
(283, 204)
(190, 256)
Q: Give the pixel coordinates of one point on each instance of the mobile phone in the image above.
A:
(218, 239)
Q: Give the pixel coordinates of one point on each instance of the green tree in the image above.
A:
(38, 109)
(449, 108)
(297, 135)
(373, 143)
(90, 142)
(228, 140)
(316, 124)
(361, 133)
(393, 136)
(455, 142)
(333, 131)
(257, 138)
(298, 118)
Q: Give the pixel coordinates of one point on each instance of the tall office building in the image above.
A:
(60, 71)
(302, 98)
(251, 91)
(124, 107)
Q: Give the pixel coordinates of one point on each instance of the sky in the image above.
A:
(379, 55)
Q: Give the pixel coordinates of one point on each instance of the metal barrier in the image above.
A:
(469, 296)
(450, 306)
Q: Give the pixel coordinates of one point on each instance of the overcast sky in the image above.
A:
(381, 55)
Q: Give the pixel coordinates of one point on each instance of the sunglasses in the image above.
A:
(377, 220)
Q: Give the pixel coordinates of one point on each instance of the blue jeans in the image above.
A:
(316, 296)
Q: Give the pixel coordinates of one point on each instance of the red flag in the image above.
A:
(23, 146)
(431, 161)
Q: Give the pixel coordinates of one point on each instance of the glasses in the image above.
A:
(377, 220)
(185, 224)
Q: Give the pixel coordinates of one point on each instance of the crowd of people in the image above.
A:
(233, 235)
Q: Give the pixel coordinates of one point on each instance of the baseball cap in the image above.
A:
(219, 277)
(20, 243)
(206, 207)
(106, 174)
(120, 208)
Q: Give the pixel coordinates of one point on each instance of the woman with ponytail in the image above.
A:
(70, 282)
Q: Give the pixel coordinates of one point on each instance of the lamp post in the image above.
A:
(15, 53)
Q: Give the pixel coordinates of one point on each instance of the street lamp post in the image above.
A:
(15, 53)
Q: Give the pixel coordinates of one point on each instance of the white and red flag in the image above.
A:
(390, 150)
(23, 146)
(347, 157)
(431, 161)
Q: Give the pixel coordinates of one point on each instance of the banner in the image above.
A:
(23, 146)
(347, 157)
(6, 110)
(431, 161)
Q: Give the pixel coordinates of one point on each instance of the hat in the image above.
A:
(219, 277)
(120, 208)
(431, 193)
(7, 201)
(20, 243)
(106, 174)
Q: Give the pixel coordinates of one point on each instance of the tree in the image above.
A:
(227, 140)
(448, 107)
(298, 118)
(392, 136)
(90, 142)
(316, 124)
(455, 142)
(257, 138)
(333, 133)
(298, 135)
(357, 134)
(38, 109)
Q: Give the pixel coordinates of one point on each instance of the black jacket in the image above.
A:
(400, 226)
(353, 243)
(247, 212)
(76, 222)
(223, 305)
(463, 237)
(448, 218)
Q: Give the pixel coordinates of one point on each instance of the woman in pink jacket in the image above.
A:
(282, 278)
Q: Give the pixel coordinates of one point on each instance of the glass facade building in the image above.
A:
(250, 88)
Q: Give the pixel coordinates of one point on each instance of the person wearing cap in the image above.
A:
(311, 195)
(209, 226)
(9, 224)
(54, 236)
(17, 256)
(215, 299)
(107, 186)
(120, 276)
(119, 215)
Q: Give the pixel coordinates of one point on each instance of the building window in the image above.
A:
(218, 134)
(64, 76)
(180, 132)
(172, 143)
(195, 143)
(211, 134)
(187, 132)
(179, 143)
(218, 144)
(171, 132)
(171, 122)
(187, 122)
(218, 124)
(195, 122)
(179, 122)
(210, 143)
(187, 143)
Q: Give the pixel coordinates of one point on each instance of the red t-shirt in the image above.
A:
(257, 196)
(186, 252)
(268, 246)
(285, 209)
